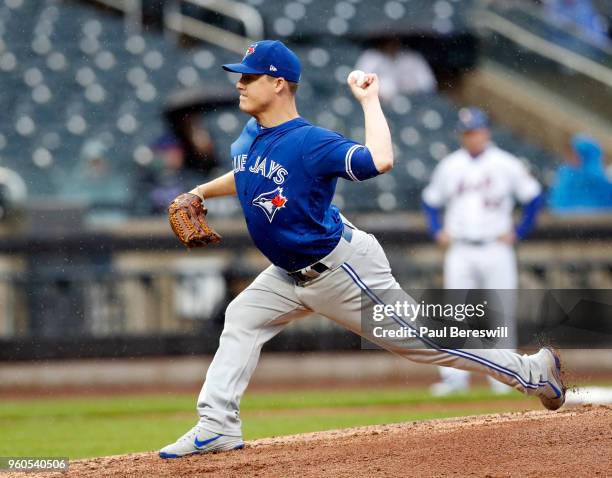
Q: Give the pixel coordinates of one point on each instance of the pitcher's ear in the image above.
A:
(279, 84)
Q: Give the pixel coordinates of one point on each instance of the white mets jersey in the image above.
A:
(479, 194)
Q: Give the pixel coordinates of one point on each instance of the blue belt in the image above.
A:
(315, 270)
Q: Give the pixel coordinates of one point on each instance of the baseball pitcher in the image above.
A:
(285, 173)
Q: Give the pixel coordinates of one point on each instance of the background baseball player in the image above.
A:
(477, 186)
(285, 173)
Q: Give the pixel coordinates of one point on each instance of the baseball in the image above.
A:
(359, 77)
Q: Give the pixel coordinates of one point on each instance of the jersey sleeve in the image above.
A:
(434, 195)
(525, 186)
(246, 138)
(329, 154)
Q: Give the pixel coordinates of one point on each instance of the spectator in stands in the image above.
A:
(198, 146)
(202, 146)
(581, 183)
(167, 177)
(400, 71)
(170, 175)
(580, 16)
(93, 178)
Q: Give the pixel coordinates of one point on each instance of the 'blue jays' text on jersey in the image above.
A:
(286, 178)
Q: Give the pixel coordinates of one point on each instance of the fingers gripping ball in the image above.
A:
(358, 76)
(187, 216)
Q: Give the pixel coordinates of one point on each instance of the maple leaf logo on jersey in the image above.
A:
(271, 202)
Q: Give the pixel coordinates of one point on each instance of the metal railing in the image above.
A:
(132, 11)
(487, 20)
(249, 17)
(538, 13)
(90, 303)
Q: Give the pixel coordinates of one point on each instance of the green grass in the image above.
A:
(87, 427)
(256, 401)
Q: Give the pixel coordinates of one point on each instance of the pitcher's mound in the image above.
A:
(575, 442)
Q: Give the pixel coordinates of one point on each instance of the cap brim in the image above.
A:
(241, 68)
(466, 129)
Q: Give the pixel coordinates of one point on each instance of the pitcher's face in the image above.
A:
(257, 92)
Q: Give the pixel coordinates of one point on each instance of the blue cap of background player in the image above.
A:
(471, 119)
(269, 57)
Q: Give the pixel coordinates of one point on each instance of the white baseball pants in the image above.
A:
(273, 300)
(488, 266)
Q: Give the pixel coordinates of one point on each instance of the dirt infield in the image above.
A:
(575, 442)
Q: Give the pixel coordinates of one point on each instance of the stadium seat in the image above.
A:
(90, 79)
(317, 18)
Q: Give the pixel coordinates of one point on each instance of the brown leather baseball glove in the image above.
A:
(187, 216)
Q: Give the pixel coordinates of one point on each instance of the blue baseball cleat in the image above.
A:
(553, 393)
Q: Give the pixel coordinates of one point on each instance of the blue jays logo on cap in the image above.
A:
(250, 50)
(269, 57)
(271, 202)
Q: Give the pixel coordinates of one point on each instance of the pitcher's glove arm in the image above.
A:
(187, 216)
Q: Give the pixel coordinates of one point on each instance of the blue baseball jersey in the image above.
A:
(285, 180)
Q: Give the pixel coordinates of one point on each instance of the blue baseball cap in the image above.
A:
(269, 57)
(472, 118)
